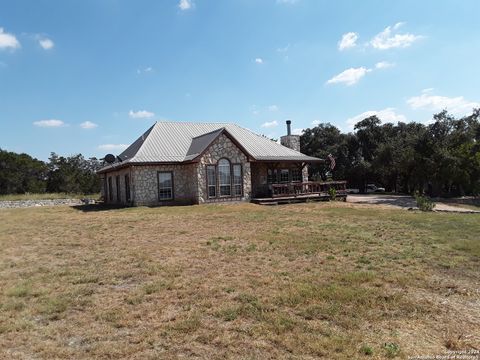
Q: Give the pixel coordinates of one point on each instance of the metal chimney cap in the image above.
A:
(289, 122)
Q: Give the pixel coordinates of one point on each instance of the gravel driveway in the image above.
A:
(403, 202)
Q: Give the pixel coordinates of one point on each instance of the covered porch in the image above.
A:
(287, 181)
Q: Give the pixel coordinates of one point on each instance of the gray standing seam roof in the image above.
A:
(183, 141)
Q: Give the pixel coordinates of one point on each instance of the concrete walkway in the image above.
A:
(403, 202)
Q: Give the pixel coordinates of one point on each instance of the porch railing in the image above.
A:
(307, 188)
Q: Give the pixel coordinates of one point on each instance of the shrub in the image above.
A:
(366, 350)
(391, 349)
(424, 203)
(333, 193)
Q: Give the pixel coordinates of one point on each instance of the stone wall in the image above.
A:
(291, 141)
(222, 147)
(113, 175)
(146, 184)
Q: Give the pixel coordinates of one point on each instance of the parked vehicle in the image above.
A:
(353, 191)
(372, 188)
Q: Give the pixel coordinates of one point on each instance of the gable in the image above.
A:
(223, 147)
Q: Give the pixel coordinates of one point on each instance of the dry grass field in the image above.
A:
(306, 281)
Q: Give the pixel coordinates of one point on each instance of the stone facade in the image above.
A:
(222, 148)
(291, 141)
(189, 180)
(146, 184)
(111, 195)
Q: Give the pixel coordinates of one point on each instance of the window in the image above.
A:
(127, 188)
(271, 176)
(165, 185)
(237, 180)
(105, 188)
(284, 175)
(297, 175)
(117, 185)
(110, 189)
(224, 177)
(211, 181)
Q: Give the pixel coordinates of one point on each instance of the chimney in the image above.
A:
(289, 130)
(289, 140)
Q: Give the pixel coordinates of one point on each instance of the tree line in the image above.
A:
(440, 159)
(20, 173)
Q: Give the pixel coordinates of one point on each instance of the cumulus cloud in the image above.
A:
(316, 122)
(273, 108)
(258, 61)
(348, 40)
(46, 43)
(455, 105)
(387, 115)
(297, 131)
(390, 38)
(140, 114)
(350, 76)
(88, 125)
(112, 147)
(8, 41)
(384, 65)
(270, 124)
(185, 4)
(49, 123)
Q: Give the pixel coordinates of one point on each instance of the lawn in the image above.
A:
(331, 280)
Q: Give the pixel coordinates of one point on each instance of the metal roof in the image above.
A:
(172, 142)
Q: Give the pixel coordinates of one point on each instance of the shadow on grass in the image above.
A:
(98, 207)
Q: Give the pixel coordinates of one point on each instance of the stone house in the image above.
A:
(176, 163)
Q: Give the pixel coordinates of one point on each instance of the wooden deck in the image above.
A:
(302, 192)
(295, 199)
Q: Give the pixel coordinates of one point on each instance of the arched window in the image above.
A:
(224, 177)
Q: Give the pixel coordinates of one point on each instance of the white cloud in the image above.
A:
(455, 105)
(143, 70)
(88, 125)
(185, 4)
(270, 124)
(112, 147)
(349, 40)
(388, 39)
(258, 60)
(350, 76)
(46, 43)
(316, 122)
(141, 114)
(297, 131)
(283, 49)
(8, 41)
(273, 108)
(387, 115)
(49, 123)
(384, 65)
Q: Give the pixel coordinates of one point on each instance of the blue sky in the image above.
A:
(90, 76)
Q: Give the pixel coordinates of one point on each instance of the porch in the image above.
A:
(294, 192)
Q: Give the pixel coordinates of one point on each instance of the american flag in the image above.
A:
(332, 161)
